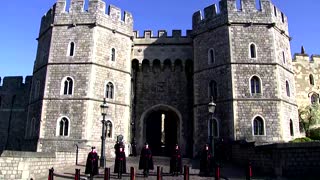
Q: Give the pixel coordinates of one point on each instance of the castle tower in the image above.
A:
(242, 58)
(83, 56)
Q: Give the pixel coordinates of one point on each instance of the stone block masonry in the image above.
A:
(27, 165)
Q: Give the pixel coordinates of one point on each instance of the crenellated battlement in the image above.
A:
(162, 37)
(95, 15)
(240, 12)
(94, 7)
(161, 34)
(14, 82)
(299, 57)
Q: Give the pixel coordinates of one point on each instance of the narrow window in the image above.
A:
(282, 17)
(314, 98)
(258, 5)
(68, 86)
(109, 90)
(108, 129)
(253, 51)
(311, 79)
(239, 5)
(255, 85)
(37, 90)
(63, 127)
(258, 127)
(211, 56)
(32, 127)
(283, 57)
(113, 54)
(71, 49)
(288, 88)
(275, 11)
(291, 128)
(213, 90)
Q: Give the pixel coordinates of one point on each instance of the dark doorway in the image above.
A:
(162, 132)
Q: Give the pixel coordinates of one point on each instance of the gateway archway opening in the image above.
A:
(162, 132)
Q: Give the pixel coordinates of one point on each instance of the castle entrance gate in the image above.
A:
(162, 130)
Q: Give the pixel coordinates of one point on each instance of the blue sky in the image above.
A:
(20, 22)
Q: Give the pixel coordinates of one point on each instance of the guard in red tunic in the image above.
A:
(146, 162)
(92, 163)
(206, 165)
(120, 161)
(176, 161)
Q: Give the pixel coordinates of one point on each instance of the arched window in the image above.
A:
(113, 54)
(178, 65)
(211, 56)
(311, 79)
(67, 86)
(288, 88)
(71, 49)
(145, 66)
(109, 129)
(63, 127)
(314, 98)
(213, 90)
(291, 128)
(258, 126)
(255, 85)
(253, 51)
(109, 90)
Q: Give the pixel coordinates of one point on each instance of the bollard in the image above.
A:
(159, 176)
(132, 174)
(186, 173)
(106, 173)
(77, 175)
(249, 171)
(50, 176)
(217, 172)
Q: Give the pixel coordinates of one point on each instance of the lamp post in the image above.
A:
(104, 108)
(211, 109)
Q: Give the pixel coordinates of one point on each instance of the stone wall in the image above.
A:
(26, 165)
(287, 159)
(14, 98)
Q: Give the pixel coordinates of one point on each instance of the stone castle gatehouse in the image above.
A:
(157, 87)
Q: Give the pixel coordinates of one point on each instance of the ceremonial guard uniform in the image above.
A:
(120, 161)
(206, 161)
(92, 163)
(146, 162)
(176, 161)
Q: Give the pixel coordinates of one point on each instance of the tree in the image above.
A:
(309, 117)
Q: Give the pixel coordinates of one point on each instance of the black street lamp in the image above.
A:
(211, 109)
(104, 108)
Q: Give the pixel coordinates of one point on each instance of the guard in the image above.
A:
(146, 162)
(176, 161)
(206, 165)
(120, 161)
(92, 163)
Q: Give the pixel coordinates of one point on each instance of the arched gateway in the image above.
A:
(161, 129)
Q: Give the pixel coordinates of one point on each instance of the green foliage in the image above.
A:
(315, 134)
(309, 116)
(303, 139)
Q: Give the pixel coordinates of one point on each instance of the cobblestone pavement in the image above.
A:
(227, 171)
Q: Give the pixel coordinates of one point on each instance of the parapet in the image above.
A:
(162, 34)
(243, 12)
(94, 7)
(162, 37)
(94, 15)
(298, 57)
(15, 82)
